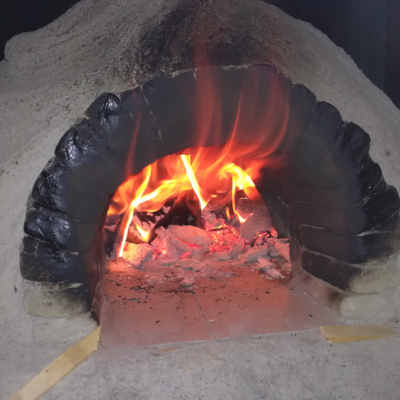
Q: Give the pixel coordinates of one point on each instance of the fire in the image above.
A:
(192, 177)
(149, 192)
(240, 180)
(144, 234)
(203, 174)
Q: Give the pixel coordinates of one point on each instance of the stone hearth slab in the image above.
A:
(135, 313)
(162, 318)
(242, 278)
(249, 311)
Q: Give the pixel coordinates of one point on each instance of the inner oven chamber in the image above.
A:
(323, 190)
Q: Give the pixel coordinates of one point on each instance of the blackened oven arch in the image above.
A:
(325, 192)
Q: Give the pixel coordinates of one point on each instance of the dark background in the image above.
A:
(369, 30)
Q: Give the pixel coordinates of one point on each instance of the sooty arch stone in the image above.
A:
(321, 185)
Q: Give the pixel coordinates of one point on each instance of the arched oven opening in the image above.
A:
(211, 168)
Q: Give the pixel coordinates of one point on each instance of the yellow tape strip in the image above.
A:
(353, 333)
(59, 368)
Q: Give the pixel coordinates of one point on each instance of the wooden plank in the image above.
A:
(349, 333)
(59, 368)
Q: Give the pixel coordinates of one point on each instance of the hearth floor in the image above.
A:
(136, 312)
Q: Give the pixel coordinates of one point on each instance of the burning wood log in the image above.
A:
(145, 224)
(111, 229)
(258, 219)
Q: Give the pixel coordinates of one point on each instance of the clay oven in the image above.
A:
(323, 189)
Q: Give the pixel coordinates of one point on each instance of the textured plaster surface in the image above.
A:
(47, 80)
(298, 365)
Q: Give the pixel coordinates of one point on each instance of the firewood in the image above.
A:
(178, 211)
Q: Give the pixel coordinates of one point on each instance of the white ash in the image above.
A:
(195, 254)
(217, 264)
(237, 248)
(254, 253)
(168, 261)
(190, 250)
(272, 251)
(264, 262)
(221, 256)
(283, 249)
(158, 244)
(138, 254)
(183, 262)
(168, 243)
(191, 234)
(274, 273)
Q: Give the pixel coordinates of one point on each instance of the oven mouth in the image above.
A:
(322, 189)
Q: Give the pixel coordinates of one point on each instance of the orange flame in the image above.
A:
(240, 181)
(134, 204)
(144, 234)
(192, 177)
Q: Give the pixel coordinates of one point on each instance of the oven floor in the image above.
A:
(136, 312)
